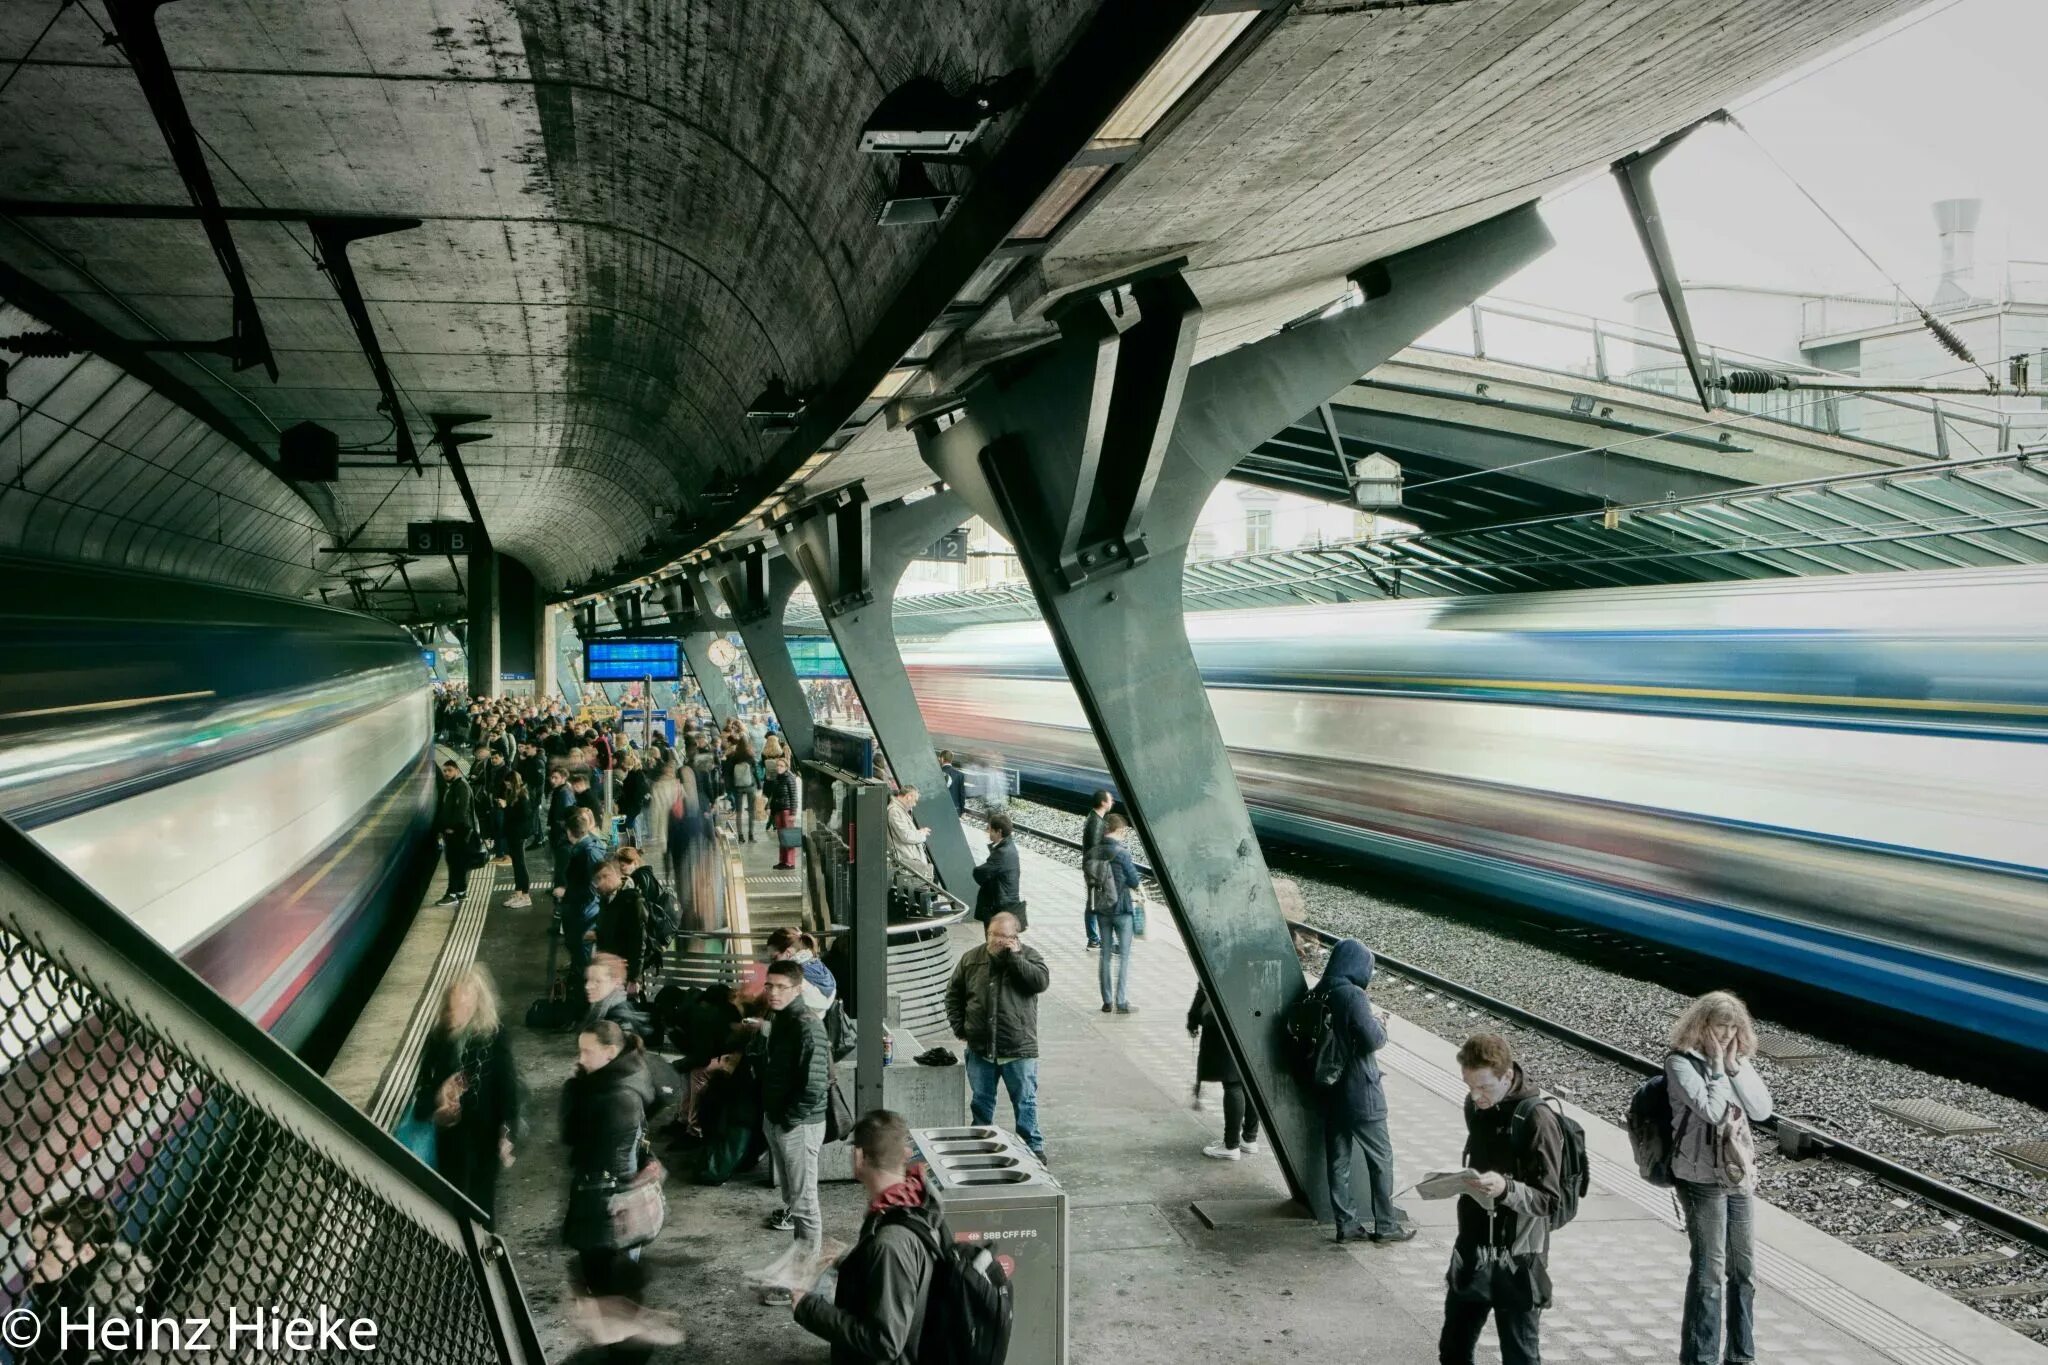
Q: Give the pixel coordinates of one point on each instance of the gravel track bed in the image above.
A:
(1833, 1092)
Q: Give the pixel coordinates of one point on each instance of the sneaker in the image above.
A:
(452, 898)
(779, 1221)
(518, 901)
(1248, 1148)
(1107, 1007)
(1126, 1009)
(1221, 1153)
(1093, 946)
(502, 860)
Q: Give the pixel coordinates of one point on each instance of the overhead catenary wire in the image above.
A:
(1940, 330)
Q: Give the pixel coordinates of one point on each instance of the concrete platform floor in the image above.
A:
(1151, 1282)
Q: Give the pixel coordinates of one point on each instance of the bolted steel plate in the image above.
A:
(1782, 1049)
(2032, 1154)
(1944, 1120)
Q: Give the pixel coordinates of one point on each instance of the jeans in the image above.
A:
(793, 1154)
(1464, 1321)
(1020, 1078)
(1092, 922)
(1718, 1224)
(1340, 1134)
(1116, 943)
(1240, 1119)
(743, 814)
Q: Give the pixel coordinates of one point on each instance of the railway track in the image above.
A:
(1796, 1140)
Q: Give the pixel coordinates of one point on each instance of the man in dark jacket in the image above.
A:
(877, 1311)
(1355, 1108)
(992, 1004)
(533, 772)
(1504, 1216)
(621, 918)
(998, 877)
(793, 1063)
(576, 889)
(1091, 835)
(604, 986)
(454, 821)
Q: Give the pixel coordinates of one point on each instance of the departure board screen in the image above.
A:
(815, 656)
(632, 660)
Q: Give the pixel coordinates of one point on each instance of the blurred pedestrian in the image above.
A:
(468, 1088)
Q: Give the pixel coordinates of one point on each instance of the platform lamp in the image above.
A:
(1375, 481)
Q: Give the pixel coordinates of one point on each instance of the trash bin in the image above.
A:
(996, 1194)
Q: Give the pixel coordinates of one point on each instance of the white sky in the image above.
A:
(1951, 104)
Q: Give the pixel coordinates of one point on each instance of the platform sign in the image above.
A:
(816, 656)
(433, 658)
(632, 660)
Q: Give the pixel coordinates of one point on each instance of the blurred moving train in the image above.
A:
(248, 779)
(1842, 781)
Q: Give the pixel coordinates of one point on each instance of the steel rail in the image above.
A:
(1906, 1179)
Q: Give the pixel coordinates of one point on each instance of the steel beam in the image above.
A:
(1632, 174)
(853, 555)
(687, 600)
(1094, 456)
(334, 236)
(756, 589)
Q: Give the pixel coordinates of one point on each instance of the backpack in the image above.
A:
(1313, 1039)
(967, 1311)
(1650, 1130)
(1576, 1171)
(1100, 873)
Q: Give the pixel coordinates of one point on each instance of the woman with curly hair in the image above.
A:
(1715, 1095)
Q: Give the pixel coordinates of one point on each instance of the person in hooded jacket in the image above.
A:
(878, 1300)
(621, 924)
(604, 1115)
(1355, 1108)
(1500, 1262)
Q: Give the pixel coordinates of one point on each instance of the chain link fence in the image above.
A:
(163, 1160)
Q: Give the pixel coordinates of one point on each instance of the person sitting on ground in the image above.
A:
(1500, 1260)
(1213, 1062)
(621, 920)
(992, 1005)
(1355, 1108)
(878, 1302)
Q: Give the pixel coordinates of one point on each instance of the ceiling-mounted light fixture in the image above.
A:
(775, 408)
(915, 199)
(923, 117)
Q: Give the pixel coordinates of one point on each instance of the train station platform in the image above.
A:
(1178, 1257)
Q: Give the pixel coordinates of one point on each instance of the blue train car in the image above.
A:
(1842, 781)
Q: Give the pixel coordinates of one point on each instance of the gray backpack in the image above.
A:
(1098, 870)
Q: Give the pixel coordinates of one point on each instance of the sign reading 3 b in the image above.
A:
(441, 538)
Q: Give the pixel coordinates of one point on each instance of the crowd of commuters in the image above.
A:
(759, 1080)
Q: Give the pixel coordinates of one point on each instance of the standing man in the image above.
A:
(533, 773)
(999, 879)
(1517, 1148)
(877, 1307)
(1111, 876)
(956, 781)
(576, 891)
(1091, 835)
(1355, 1108)
(906, 836)
(793, 1063)
(455, 821)
(992, 1004)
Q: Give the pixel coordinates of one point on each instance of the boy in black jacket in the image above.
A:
(878, 1303)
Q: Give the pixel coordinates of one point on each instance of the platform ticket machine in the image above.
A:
(997, 1195)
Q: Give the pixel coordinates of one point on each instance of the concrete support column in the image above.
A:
(482, 642)
(520, 627)
(756, 590)
(1094, 456)
(547, 621)
(853, 556)
(688, 602)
